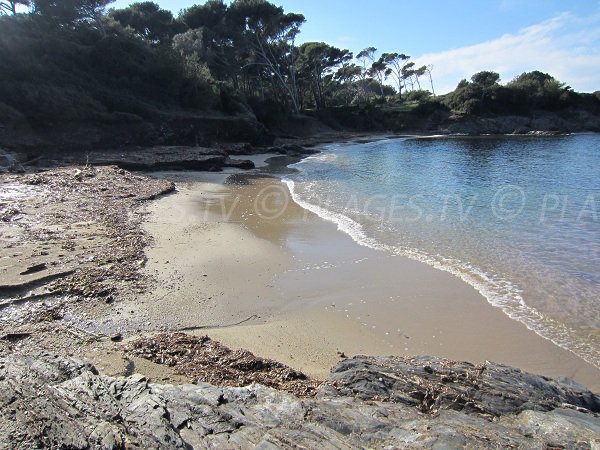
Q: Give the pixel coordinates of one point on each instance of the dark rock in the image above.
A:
(54, 402)
(539, 123)
(292, 150)
(157, 158)
(14, 337)
(239, 163)
(153, 158)
(10, 162)
(34, 269)
(433, 384)
(240, 149)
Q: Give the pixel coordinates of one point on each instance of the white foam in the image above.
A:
(497, 291)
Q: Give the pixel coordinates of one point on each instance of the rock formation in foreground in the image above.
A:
(56, 402)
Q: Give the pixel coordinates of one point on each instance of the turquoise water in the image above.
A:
(516, 217)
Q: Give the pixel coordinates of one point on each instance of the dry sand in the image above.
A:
(246, 265)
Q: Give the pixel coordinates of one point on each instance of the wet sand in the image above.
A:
(246, 265)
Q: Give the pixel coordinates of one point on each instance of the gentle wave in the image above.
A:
(497, 291)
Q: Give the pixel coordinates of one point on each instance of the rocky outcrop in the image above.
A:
(293, 150)
(156, 158)
(177, 157)
(540, 123)
(49, 401)
(433, 384)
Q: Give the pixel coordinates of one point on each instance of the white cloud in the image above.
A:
(566, 46)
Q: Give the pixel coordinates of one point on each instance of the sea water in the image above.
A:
(516, 217)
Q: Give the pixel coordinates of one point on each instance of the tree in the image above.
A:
(315, 61)
(10, 6)
(486, 78)
(429, 69)
(419, 72)
(190, 44)
(365, 58)
(348, 73)
(69, 12)
(396, 63)
(347, 77)
(210, 26)
(478, 96)
(538, 88)
(408, 74)
(379, 71)
(211, 15)
(269, 34)
(148, 21)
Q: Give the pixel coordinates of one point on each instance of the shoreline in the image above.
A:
(270, 286)
(286, 304)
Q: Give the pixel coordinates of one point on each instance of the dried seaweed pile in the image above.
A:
(80, 219)
(205, 360)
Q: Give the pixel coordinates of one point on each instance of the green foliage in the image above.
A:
(527, 92)
(485, 79)
(68, 60)
(430, 106)
(316, 64)
(147, 20)
(209, 15)
(40, 101)
(539, 89)
(417, 95)
(55, 74)
(70, 12)
(200, 90)
(140, 59)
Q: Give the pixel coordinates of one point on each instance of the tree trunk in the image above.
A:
(431, 81)
(321, 102)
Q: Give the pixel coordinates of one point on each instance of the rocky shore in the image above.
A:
(49, 401)
(537, 124)
(190, 158)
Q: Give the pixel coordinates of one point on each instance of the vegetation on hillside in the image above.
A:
(77, 60)
(524, 94)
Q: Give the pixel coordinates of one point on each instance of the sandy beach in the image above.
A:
(223, 312)
(235, 258)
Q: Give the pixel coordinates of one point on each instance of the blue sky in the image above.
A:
(461, 37)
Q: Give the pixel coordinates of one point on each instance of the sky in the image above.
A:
(460, 37)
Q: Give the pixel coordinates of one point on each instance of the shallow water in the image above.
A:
(516, 217)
